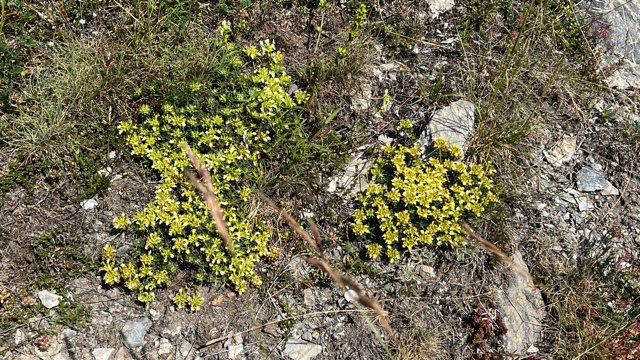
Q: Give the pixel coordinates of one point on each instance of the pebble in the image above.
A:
(437, 7)
(301, 350)
(351, 296)
(590, 180)
(67, 334)
(133, 333)
(49, 299)
(164, 346)
(185, 348)
(89, 204)
(309, 297)
(103, 353)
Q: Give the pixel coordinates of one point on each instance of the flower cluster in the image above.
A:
(229, 141)
(420, 202)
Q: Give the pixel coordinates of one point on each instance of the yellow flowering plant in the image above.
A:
(249, 120)
(415, 201)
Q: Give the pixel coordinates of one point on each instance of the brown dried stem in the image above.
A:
(345, 282)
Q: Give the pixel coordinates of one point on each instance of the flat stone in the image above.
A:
(309, 297)
(49, 299)
(590, 180)
(522, 310)
(133, 333)
(123, 354)
(453, 123)
(164, 347)
(610, 190)
(361, 98)
(103, 353)
(112, 155)
(89, 204)
(185, 347)
(301, 350)
(437, 7)
(622, 39)
(562, 152)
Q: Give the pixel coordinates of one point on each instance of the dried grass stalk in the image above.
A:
(345, 282)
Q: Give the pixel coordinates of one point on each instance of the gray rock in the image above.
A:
(575, 197)
(133, 333)
(292, 89)
(622, 38)
(453, 123)
(89, 204)
(590, 180)
(437, 7)
(301, 350)
(307, 336)
(123, 250)
(522, 310)
(49, 299)
(112, 155)
(103, 353)
(67, 334)
(309, 297)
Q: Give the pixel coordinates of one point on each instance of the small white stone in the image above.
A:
(49, 299)
(185, 348)
(103, 353)
(235, 351)
(351, 296)
(89, 204)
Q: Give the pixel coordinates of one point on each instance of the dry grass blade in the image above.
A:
(344, 282)
(210, 198)
(294, 225)
(490, 247)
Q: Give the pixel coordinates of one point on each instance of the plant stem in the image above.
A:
(2, 16)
